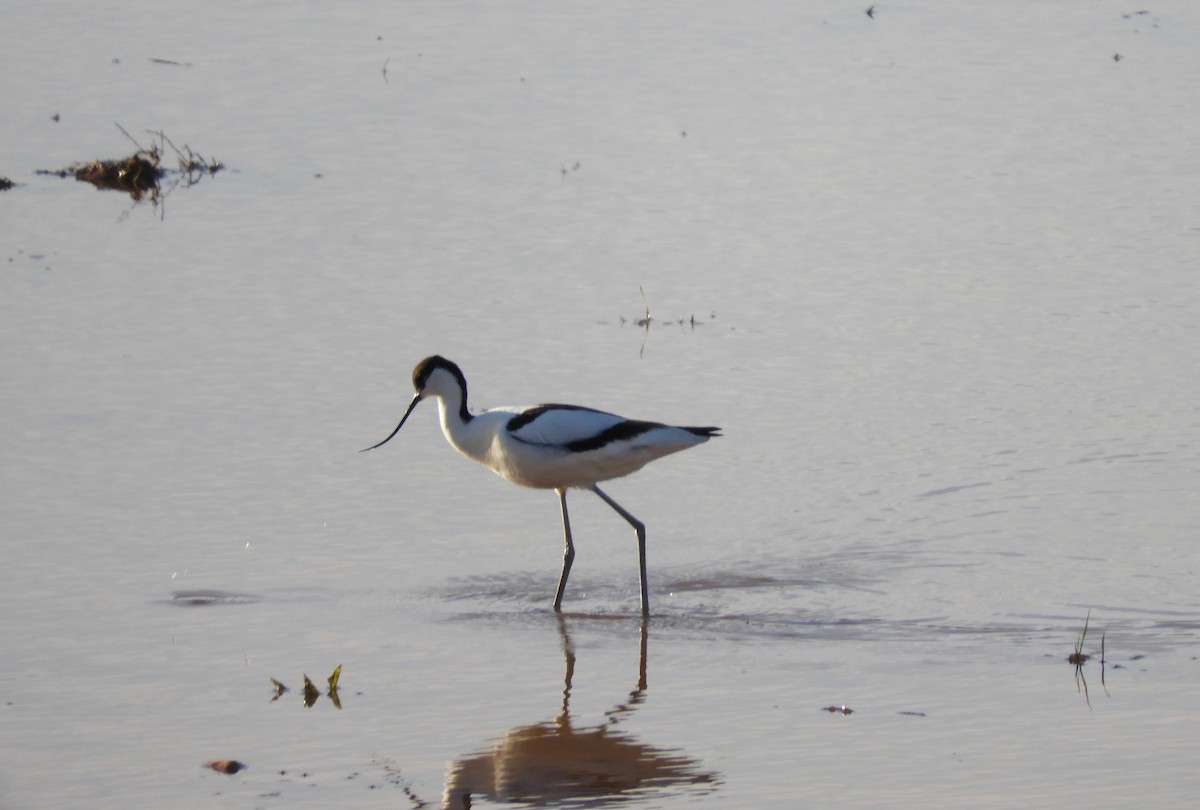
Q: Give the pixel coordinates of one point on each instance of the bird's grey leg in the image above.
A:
(568, 552)
(640, 528)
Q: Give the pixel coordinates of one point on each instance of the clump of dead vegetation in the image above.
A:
(145, 174)
(685, 322)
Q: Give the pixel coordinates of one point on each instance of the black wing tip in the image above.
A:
(704, 432)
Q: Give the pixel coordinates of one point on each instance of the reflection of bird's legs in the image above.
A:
(639, 693)
(569, 659)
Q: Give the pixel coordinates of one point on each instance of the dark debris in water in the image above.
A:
(1078, 658)
(142, 174)
(136, 175)
(310, 693)
(225, 765)
(279, 689)
(208, 598)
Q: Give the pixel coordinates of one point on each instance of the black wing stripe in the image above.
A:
(525, 417)
(622, 431)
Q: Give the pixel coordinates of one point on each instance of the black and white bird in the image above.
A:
(557, 447)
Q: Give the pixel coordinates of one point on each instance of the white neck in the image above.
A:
(469, 437)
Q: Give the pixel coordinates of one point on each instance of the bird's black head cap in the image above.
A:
(431, 364)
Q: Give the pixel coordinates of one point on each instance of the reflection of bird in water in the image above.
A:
(551, 447)
(554, 763)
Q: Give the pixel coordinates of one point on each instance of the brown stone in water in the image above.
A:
(225, 765)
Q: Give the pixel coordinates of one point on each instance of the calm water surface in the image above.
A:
(937, 276)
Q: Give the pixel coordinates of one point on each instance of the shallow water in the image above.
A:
(940, 265)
